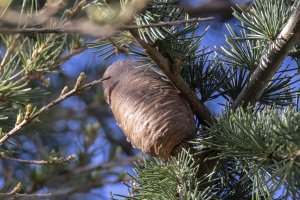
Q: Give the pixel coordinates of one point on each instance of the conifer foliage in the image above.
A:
(251, 150)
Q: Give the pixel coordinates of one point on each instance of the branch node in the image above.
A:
(17, 188)
(80, 80)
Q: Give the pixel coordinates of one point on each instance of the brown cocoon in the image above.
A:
(148, 109)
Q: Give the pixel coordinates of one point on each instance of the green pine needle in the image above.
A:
(266, 144)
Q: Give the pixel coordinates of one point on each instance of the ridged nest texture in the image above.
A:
(149, 110)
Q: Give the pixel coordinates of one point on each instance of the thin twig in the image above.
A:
(119, 48)
(197, 106)
(87, 169)
(74, 29)
(82, 171)
(68, 56)
(171, 23)
(82, 188)
(24, 196)
(39, 162)
(81, 25)
(270, 62)
(107, 165)
(74, 91)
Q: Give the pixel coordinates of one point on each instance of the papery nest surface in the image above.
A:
(149, 110)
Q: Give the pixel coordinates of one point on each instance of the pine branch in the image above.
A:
(198, 107)
(265, 145)
(82, 25)
(118, 48)
(38, 162)
(74, 29)
(78, 89)
(270, 62)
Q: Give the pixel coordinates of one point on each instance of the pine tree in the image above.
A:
(250, 151)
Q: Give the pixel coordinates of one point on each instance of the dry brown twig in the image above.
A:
(78, 89)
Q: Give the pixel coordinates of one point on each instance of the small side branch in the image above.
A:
(87, 169)
(68, 191)
(78, 89)
(197, 106)
(39, 162)
(270, 62)
(24, 196)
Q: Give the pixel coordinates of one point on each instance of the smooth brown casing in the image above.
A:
(148, 109)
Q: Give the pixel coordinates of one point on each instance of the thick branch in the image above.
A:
(77, 90)
(270, 62)
(198, 107)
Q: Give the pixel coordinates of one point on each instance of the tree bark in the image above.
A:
(270, 62)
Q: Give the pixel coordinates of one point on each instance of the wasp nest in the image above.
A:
(148, 109)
